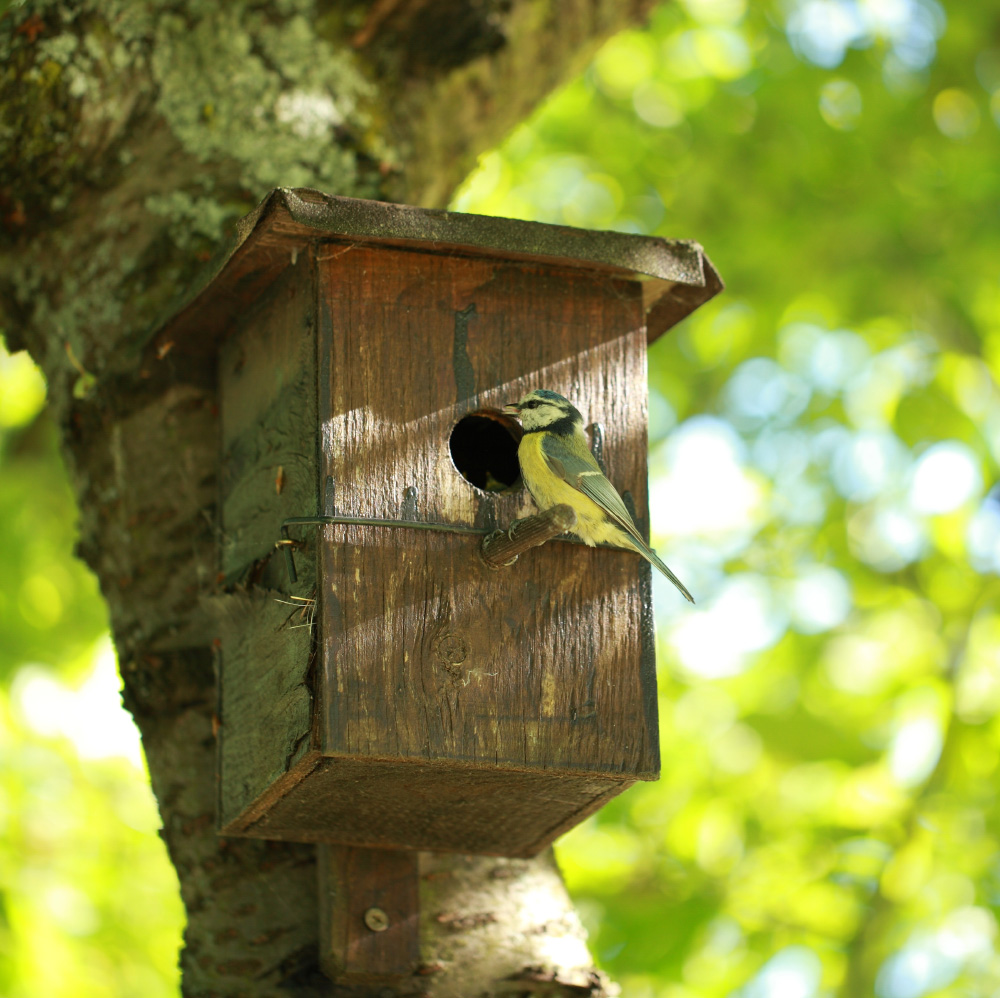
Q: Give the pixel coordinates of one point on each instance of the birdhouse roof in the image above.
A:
(676, 274)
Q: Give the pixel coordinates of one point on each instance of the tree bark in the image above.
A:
(131, 137)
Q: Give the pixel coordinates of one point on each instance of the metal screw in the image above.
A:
(376, 920)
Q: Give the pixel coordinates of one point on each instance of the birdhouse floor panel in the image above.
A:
(389, 804)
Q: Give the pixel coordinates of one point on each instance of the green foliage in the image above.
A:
(50, 609)
(824, 442)
(89, 905)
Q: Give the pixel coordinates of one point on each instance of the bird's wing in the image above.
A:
(582, 472)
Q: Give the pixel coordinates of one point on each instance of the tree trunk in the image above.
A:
(131, 137)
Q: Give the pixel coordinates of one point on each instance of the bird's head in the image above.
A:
(544, 410)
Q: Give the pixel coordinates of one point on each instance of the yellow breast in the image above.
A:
(548, 490)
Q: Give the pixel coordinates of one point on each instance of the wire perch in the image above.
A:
(500, 548)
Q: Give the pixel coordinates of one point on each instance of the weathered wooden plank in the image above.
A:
(267, 381)
(441, 807)
(288, 222)
(267, 378)
(369, 913)
(443, 659)
(425, 653)
(266, 703)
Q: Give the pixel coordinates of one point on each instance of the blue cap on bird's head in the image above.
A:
(544, 408)
(538, 396)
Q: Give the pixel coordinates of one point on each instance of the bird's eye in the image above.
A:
(533, 404)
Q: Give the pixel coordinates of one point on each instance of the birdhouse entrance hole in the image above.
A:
(484, 450)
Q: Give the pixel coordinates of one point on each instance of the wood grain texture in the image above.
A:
(351, 882)
(266, 704)
(451, 707)
(268, 416)
(288, 222)
(425, 654)
(440, 807)
(267, 378)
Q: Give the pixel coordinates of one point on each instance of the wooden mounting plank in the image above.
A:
(368, 913)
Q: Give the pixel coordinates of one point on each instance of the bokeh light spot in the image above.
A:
(840, 104)
(706, 489)
(820, 599)
(794, 972)
(22, 389)
(623, 63)
(716, 11)
(821, 30)
(914, 750)
(956, 114)
(40, 602)
(945, 477)
(886, 537)
(869, 463)
(91, 716)
(658, 104)
(760, 390)
(982, 536)
(742, 618)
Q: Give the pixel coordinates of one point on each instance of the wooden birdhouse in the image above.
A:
(401, 693)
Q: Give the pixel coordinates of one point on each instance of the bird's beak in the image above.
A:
(511, 409)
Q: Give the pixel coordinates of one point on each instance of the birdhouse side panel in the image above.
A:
(267, 374)
(266, 706)
(267, 389)
(425, 652)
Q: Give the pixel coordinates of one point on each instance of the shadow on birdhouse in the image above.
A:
(364, 352)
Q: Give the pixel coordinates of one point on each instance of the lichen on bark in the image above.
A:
(149, 129)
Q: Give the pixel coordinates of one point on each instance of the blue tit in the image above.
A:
(557, 467)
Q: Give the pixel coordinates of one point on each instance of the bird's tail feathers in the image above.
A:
(651, 556)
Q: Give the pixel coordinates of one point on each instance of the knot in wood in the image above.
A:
(452, 649)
